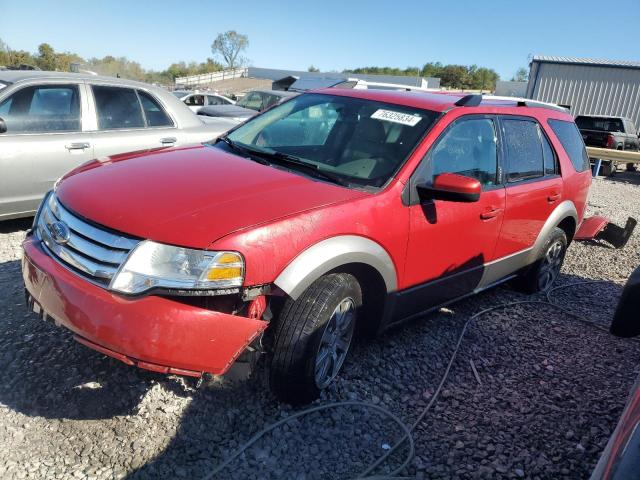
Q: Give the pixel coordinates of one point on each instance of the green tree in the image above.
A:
(46, 59)
(4, 53)
(483, 78)
(313, 68)
(229, 45)
(431, 69)
(455, 76)
(521, 75)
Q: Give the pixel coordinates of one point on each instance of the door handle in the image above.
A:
(553, 198)
(77, 146)
(490, 213)
(168, 140)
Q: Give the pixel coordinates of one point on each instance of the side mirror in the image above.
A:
(3, 125)
(451, 187)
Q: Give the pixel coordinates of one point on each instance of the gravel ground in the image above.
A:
(548, 392)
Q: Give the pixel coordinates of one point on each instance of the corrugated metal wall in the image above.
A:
(588, 89)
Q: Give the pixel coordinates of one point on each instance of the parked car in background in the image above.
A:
(251, 104)
(338, 211)
(617, 133)
(197, 100)
(51, 122)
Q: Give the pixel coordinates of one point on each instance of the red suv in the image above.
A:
(338, 211)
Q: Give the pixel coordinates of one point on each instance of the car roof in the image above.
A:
(13, 76)
(279, 93)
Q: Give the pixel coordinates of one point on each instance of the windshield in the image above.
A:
(180, 93)
(361, 141)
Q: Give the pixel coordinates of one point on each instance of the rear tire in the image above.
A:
(541, 276)
(312, 337)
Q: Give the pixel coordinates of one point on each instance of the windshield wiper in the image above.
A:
(294, 162)
(291, 161)
(246, 152)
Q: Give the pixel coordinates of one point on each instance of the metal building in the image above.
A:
(587, 86)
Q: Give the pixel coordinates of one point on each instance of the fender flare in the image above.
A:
(564, 210)
(332, 253)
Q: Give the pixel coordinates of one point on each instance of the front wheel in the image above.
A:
(541, 276)
(312, 338)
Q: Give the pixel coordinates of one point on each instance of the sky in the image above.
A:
(332, 35)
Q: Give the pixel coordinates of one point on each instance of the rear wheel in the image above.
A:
(312, 338)
(541, 276)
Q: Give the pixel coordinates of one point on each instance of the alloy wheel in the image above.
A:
(335, 342)
(551, 264)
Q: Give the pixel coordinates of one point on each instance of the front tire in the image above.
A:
(541, 276)
(312, 337)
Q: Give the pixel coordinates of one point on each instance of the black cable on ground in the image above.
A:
(261, 433)
(407, 430)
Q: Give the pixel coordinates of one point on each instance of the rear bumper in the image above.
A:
(152, 332)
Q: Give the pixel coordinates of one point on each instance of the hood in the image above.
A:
(191, 196)
(227, 111)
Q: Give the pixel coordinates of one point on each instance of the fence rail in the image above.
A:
(206, 78)
(623, 156)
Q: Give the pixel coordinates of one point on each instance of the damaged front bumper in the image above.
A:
(151, 332)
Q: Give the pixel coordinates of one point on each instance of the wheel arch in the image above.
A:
(565, 217)
(350, 253)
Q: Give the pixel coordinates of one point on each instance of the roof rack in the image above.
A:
(473, 100)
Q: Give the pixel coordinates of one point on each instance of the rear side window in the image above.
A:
(42, 109)
(525, 158)
(117, 108)
(572, 142)
(153, 112)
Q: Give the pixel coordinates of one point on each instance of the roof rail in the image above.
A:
(527, 102)
(472, 100)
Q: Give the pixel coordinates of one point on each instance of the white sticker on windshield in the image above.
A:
(396, 117)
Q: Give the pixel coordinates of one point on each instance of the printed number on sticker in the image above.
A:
(396, 117)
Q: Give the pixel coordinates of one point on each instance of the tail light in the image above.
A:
(609, 141)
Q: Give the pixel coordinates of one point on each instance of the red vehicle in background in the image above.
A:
(336, 212)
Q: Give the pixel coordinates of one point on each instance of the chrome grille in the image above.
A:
(92, 251)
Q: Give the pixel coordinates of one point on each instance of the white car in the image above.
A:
(196, 100)
(51, 122)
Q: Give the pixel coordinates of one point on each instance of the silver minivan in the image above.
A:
(51, 122)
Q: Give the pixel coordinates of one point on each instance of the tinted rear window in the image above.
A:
(572, 142)
(155, 115)
(601, 124)
(117, 108)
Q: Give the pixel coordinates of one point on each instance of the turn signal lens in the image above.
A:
(224, 273)
(226, 266)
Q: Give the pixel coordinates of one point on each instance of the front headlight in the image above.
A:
(155, 265)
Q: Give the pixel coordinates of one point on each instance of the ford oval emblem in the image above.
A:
(59, 232)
